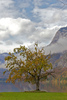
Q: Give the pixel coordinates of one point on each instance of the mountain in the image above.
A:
(62, 33)
(58, 48)
(1, 74)
(2, 57)
(61, 61)
(59, 42)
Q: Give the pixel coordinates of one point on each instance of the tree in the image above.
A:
(31, 65)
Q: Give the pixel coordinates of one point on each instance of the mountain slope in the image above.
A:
(62, 61)
(59, 42)
(62, 33)
(2, 57)
(58, 48)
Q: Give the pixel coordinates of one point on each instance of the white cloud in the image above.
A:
(7, 8)
(8, 48)
(12, 8)
(43, 35)
(22, 31)
(37, 3)
(50, 17)
(24, 3)
(15, 31)
(6, 3)
(10, 26)
(57, 47)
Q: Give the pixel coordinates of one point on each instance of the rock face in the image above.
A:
(58, 47)
(62, 61)
(59, 42)
(62, 33)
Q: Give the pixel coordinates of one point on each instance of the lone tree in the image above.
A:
(29, 65)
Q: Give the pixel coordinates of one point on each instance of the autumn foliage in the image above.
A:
(29, 65)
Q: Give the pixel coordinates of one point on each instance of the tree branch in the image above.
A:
(62, 2)
(31, 74)
(48, 73)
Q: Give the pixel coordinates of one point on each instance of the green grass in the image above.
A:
(32, 96)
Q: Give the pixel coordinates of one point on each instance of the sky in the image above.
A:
(24, 22)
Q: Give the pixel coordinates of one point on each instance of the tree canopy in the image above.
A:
(29, 65)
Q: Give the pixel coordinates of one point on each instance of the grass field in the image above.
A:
(32, 96)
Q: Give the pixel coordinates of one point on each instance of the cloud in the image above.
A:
(43, 35)
(23, 3)
(57, 47)
(12, 8)
(14, 32)
(8, 42)
(24, 22)
(37, 3)
(23, 31)
(7, 3)
(11, 27)
(6, 8)
(1, 42)
(19, 42)
(50, 17)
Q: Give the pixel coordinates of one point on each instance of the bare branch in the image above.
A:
(63, 2)
(31, 74)
(48, 73)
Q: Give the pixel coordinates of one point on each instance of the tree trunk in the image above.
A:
(37, 85)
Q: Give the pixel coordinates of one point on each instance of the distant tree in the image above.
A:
(29, 65)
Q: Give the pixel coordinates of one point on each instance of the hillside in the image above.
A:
(59, 42)
(61, 33)
(2, 56)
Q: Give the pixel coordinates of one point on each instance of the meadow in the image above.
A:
(32, 96)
